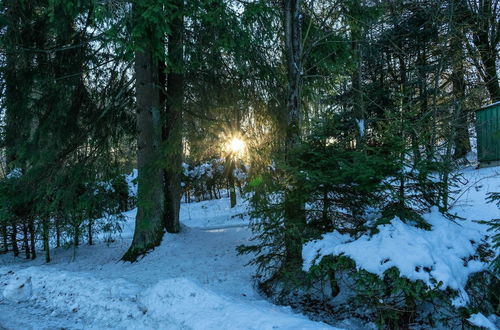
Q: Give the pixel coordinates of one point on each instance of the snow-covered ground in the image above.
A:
(443, 257)
(194, 280)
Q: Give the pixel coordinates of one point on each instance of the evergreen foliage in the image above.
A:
(354, 113)
(495, 228)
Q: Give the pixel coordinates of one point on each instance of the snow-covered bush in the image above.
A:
(403, 273)
(484, 287)
(210, 179)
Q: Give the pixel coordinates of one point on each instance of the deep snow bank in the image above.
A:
(443, 254)
(175, 303)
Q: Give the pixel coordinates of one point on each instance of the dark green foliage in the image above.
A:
(67, 120)
(394, 301)
(495, 229)
(336, 186)
(385, 98)
(483, 289)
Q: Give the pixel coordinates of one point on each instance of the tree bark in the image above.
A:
(294, 217)
(356, 28)
(150, 197)
(488, 58)
(5, 239)
(46, 238)
(31, 228)
(485, 27)
(15, 247)
(461, 135)
(26, 243)
(172, 121)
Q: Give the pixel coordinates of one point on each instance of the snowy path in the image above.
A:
(194, 280)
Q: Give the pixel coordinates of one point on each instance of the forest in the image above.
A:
(249, 164)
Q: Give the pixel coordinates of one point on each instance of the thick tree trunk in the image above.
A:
(149, 227)
(172, 121)
(294, 217)
(461, 122)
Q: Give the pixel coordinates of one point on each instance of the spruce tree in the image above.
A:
(149, 225)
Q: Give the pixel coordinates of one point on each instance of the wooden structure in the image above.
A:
(488, 135)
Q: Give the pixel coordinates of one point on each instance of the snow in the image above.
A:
(16, 173)
(18, 290)
(479, 320)
(178, 296)
(215, 213)
(131, 180)
(361, 126)
(194, 280)
(490, 105)
(239, 174)
(439, 255)
(207, 169)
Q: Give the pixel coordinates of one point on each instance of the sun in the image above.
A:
(236, 146)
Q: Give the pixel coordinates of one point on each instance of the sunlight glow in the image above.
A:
(236, 145)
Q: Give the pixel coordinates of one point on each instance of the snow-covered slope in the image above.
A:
(194, 280)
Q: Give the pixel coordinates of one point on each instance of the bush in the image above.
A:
(210, 179)
(392, 301)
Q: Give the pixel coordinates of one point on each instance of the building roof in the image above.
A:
(489, 106)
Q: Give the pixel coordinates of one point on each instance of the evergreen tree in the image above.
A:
(149, 225)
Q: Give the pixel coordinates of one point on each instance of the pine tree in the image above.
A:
(149, 225)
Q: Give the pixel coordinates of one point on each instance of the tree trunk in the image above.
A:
(15, 248)
(58, 232)
(26, 243)
(46, 237)
(356, 28)
(76, 235)
(294, 217)
(461, 123)
(150, 197)
(31, 228)
(488, 57)
(89, 232)
(485, 27)
(172, 121)
(5, 239)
